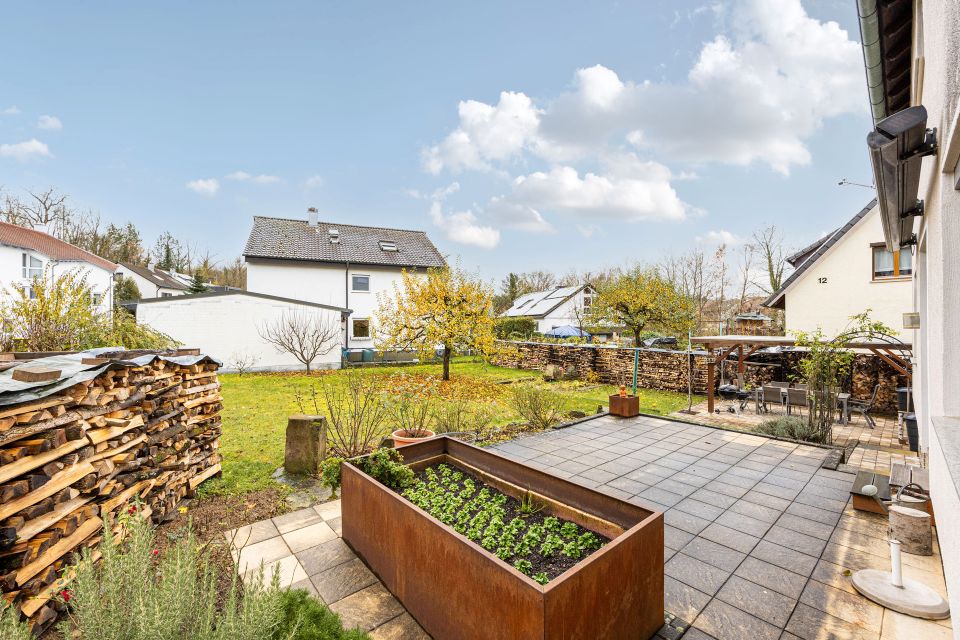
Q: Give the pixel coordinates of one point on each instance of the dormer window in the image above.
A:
(32, 267)
(334, 235)
(388, 245)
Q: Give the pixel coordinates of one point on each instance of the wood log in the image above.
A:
(20, 432)
(63, 479)
(913, 529)
(35, 373)
(88, 528)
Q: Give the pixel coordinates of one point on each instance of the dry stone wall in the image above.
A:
(668, 370)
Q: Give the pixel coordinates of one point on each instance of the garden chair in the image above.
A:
(800, 385)
(864, 407)
(771, 394)
(796, 398)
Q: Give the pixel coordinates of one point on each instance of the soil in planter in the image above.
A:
(440, 481)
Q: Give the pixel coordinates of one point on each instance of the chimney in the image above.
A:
(312, 216)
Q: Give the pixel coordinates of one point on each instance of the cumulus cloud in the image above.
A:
(462, 227)
(313, 182)
(205, 186)
(12, 110)
(49, 123)
(243, 176)
(755, 94)
(720, 236)
(26, 150)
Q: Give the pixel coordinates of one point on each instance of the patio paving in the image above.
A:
(872, 449)
(758, 538)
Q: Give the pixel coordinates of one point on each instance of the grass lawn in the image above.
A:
(256, 406)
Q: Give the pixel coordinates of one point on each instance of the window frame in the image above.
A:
(353, 283)
(353, 325)
(897, 274)
(26, 263)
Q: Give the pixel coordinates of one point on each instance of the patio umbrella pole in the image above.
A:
(890, 589)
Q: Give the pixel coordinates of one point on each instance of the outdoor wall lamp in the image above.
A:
(897, 146)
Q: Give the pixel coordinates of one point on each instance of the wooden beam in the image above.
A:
(711, 366)
(890, 361)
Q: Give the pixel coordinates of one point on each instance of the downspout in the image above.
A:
(872, 57)
(346, 305)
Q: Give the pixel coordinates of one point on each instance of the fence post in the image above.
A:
(636, 363)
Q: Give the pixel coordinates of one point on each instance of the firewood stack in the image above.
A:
(144, 430)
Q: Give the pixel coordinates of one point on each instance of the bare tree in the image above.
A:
(769, 245)
(537, 281)
(745, 267)
(304, 335)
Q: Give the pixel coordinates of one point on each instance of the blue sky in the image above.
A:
(598, 133)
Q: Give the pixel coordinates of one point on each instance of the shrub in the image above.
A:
(356, 410)
(11, 628)
(133, 595)
(305, 618)
(462, 416)
(792, 428)
(386, 466)
(410, 405)
(330, 473)
(539, 406)
(514, 328)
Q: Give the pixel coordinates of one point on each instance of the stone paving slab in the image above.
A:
(759, 541)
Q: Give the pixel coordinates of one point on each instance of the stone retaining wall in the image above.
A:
(668, 370)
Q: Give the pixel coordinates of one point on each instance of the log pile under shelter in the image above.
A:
(103, 432)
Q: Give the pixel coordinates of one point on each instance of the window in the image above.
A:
(166, 294)
(94, 298)
(32, 267)
(387, 245)
(361, 328)
(361, 283)
(891, 265)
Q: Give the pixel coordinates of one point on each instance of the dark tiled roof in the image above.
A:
(23, 238)
(777, 300)
(798, 257)
(156, 276)
(284, 239)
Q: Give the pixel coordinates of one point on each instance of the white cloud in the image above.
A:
(313, 182)
(487, 133)
(243, 176)
(720, 236)
(518, 216)
(10, 111)
(461, 226)
(25, 150)
(629, 189)
(50, 123)
(755, 94)
(205, 187)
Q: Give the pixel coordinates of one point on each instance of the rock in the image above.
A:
(306, 444)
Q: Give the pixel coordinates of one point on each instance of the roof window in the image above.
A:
(388, 245)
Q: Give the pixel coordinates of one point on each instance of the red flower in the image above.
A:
(66, 595)
(155, 552)
(132, 510)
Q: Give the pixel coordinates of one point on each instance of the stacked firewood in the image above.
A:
(69, 462)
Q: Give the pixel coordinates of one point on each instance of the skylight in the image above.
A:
(388, 245)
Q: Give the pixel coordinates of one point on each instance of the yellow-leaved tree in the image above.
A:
(642, 300)
(444, 308)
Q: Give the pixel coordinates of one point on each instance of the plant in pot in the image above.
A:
(410, 410)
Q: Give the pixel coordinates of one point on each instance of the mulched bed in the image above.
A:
(553, 565)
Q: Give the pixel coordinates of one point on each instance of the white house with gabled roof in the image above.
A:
(554, 308)
(342, 265)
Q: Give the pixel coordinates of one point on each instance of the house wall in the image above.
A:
(565, 314)
(325, 284)
(227, 328)
(849, 288)
(11, 271)
(937, 367)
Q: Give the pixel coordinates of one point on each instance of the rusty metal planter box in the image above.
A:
(457, 590)
(625, 407)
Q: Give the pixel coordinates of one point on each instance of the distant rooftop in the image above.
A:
(539, 303)
(54, 248)
(288, 239)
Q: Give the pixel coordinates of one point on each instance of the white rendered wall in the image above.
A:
(99, 280)
(147, 288)
(937, 387)
(565, 314)
(226, 327)
(325, 284)
(849, 289)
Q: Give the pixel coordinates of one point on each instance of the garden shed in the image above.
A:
(229, 326)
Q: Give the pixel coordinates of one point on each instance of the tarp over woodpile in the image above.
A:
(73, 370)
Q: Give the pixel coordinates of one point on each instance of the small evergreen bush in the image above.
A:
(792, 428)
(305, 618)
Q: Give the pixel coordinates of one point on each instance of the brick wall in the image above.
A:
(667, 370)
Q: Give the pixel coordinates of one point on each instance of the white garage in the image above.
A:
(234, 327)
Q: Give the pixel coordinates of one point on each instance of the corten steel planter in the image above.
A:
(455, 589)
(624, 406)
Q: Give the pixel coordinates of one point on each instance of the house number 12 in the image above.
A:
(822, 280)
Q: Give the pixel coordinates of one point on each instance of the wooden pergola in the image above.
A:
(745, 346)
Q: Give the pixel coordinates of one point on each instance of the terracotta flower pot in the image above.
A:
(401, 437)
